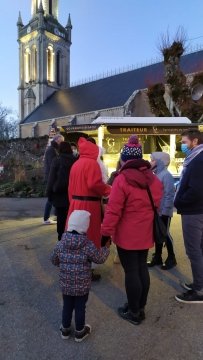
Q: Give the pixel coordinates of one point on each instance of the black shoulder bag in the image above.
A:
(159, 228)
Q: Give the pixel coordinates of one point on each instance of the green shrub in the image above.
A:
(20, 185)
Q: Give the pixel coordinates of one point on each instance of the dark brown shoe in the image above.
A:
(169, 263)
(156, 260)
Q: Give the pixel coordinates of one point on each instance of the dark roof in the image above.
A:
(109, 92)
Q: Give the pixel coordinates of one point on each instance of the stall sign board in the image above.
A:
(76, 128)
(148, 130)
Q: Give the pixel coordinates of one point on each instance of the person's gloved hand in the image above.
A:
(105, 240)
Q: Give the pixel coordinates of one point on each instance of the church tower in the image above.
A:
(44, 55)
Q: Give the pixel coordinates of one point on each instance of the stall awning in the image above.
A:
(125, 120)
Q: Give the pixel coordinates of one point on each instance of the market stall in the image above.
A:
(155, 134)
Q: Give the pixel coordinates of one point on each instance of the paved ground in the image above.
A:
(30, 301)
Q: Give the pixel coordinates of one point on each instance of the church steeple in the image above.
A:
(40, 8)
(50, 7)
(44, 53)
(69, 23)
(20, 22)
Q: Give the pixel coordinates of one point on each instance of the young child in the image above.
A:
(74, 254)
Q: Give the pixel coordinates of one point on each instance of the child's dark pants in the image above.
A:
(77, 303)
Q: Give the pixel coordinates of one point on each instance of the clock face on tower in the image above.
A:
(59, 33)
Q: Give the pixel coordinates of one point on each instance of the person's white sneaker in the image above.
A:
(49, 222)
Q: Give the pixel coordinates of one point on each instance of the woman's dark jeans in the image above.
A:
(137, 280)
(62, 213)
(77, 303)
(47, 210)
(169, 241)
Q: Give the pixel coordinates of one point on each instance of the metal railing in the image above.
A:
(121, 70)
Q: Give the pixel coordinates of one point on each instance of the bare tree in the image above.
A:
(8, 123)
(174, 46)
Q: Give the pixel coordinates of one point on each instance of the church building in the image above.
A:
(45, 94)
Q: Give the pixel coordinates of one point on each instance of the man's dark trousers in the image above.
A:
(193, 239)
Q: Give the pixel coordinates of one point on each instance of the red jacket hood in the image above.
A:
(87, 149)
(138, 173)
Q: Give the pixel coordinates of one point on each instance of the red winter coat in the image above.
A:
(86, 180)
(129, 215)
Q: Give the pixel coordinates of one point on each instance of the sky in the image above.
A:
(106, 35)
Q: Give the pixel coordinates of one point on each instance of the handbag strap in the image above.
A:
(151, 199)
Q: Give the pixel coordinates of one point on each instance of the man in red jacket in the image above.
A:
(129, 219)
(86, 189)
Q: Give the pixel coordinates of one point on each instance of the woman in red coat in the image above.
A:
(86, 187)
(129, 219)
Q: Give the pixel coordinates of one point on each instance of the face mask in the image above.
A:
(184, 148)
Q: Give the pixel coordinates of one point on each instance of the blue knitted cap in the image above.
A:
(132, 150)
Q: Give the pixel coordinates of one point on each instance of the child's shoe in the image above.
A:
(83, 334)
(65, 332)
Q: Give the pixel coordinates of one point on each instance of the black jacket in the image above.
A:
(189, 199)
(50, 154)
(57, 185)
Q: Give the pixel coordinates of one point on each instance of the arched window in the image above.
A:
(58, 68)
(34, 63)
(27, 65)
(50, 64)
(35, 6)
